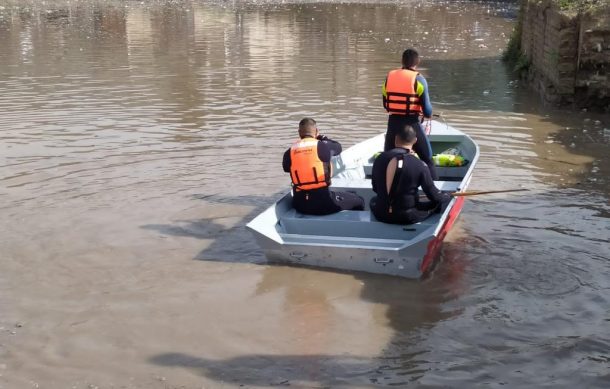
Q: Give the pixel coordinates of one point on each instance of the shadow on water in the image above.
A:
(409, 307)
(223, 247)
(311, 371)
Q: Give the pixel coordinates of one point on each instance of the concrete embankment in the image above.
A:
(567, 52)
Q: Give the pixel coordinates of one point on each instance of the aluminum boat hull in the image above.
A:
(355, 240)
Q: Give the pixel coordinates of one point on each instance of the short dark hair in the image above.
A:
(407, 134)
(409, 58)
(307, 127)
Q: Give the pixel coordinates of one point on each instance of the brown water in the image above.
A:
(137, 139)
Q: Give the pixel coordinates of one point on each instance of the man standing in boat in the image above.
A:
(397, 175)
(406, 98)
(308, 162)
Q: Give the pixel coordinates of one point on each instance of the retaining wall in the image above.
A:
(569, 54)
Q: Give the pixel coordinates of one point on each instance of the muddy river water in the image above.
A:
(138, 138)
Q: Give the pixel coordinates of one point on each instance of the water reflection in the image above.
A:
(138, 136)
(322, 323)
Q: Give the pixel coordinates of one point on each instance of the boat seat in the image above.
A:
(340, 183)
(350, 223)
(351, 183)
(447, 186)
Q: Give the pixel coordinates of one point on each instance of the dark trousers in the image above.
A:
(324, 201)
(419, 213)
(422, 147)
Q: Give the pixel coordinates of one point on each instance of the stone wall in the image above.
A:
(568, 53)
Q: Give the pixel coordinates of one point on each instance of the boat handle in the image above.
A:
(297, 254)
(383, 260)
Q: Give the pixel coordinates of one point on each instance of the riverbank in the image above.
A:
(562, 49)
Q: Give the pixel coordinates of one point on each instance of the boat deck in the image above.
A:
(357, 225)
(350, 224)
(343, 183)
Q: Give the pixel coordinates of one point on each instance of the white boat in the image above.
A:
(355, 240)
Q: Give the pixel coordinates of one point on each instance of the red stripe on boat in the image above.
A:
(434, 245)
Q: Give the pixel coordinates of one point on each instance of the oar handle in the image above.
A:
(481, 192)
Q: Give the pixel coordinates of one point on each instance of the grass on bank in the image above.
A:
(513, 55)
(579, 5)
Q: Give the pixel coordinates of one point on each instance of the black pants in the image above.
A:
(419, 213)
(324, 201)
(421, 147)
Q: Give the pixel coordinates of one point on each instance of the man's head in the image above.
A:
(308, 128)
(410, 59)
(406, 137)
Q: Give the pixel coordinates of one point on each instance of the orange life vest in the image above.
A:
(307, 171)
(401, 93)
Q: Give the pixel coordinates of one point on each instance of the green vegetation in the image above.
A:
(521, 64)
(513, 49)
(512, 54)
(578, 5)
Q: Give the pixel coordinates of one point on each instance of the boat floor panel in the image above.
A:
(339, 183)
(359, 224)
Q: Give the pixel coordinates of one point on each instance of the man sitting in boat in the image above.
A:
(308, 162)
(396, 176)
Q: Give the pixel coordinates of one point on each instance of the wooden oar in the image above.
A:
(481, 192)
